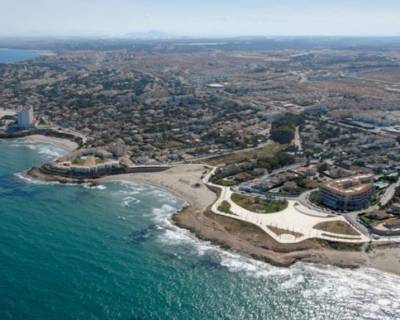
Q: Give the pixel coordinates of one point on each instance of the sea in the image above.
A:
(112, 252)
(16, 55)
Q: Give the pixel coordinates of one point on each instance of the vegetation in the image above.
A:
(246, 155)
(283, 129)
(78, 161)
(225, 182)
(100, 160)
(250, 164)
(225, 207)
(339, 227)
(365, 219)
(314, 197)
(280, 231)
(257, 204)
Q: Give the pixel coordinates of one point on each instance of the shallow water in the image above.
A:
(111, 252)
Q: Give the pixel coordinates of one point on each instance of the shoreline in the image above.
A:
(248, 240)
(185, 182)
(67, 145)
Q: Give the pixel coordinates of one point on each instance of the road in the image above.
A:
(247, 184)
(389, 193)
(297, 139)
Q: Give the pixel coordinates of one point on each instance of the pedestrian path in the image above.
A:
(291, 225)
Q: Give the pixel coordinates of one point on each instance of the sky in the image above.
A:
(200, 17)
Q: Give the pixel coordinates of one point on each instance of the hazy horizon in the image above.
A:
(207, 19)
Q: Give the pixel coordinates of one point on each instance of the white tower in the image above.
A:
(25, 118)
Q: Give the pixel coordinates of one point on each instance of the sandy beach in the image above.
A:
(66, 144)
(185, 182)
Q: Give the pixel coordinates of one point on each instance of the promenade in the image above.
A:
(294, 224)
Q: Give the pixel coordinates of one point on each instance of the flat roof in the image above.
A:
(350, 185)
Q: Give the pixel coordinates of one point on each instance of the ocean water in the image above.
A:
(15, 55)
(111, 252)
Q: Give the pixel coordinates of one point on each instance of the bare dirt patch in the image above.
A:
(339, 227)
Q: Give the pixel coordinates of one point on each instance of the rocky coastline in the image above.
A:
(185, 182)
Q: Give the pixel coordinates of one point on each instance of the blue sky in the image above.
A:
(200, 17)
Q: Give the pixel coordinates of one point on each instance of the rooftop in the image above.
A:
(350, 185)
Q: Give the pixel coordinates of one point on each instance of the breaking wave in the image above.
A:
(49, 151)
(344, 288)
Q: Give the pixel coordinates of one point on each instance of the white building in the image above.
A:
(25, 118)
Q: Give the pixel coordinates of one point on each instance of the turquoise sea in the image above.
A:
(16, 55)
(111, 252)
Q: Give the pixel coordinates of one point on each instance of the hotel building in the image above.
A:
(347, 194)
(25, 118)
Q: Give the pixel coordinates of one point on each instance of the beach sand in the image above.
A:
(66, 144)
(185, 182)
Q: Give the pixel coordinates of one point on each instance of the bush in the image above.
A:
(225, 207)
(258, 205)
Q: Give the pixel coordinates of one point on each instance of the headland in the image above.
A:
(236, 230)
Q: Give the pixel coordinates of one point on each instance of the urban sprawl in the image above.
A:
(304, 143)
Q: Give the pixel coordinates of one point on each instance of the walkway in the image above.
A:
(291, 225)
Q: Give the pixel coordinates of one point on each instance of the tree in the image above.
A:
(282, 135)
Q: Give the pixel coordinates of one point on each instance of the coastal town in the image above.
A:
(303, 145)
(199, 160)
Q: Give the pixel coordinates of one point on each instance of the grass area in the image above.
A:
(79, 161)
(239, 156)
(365, 219)
(225, 182)
(258, 205)
(279, 231)
(225, 207)
(375, 218)
(314, 198)
(340, 227)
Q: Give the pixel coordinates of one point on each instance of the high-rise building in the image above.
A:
(25, 118)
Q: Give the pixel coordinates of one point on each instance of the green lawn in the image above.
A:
(258, 205)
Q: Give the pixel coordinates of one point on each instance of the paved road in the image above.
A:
(277, 171)
(297, 139)
(353, 219)
(389, 193)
